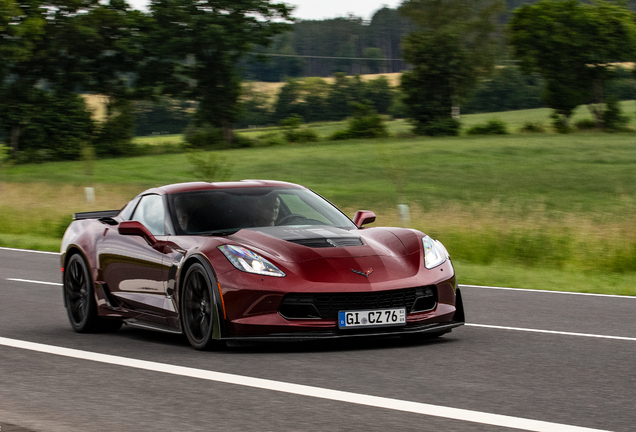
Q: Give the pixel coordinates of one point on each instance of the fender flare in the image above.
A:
(218, 328)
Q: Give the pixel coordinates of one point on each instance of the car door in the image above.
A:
(135, 271)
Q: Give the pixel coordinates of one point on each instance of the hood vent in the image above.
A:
(329, 242)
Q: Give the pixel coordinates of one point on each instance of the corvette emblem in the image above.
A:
(365, 273)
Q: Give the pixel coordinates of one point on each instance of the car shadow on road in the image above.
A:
(272, 347)
(333, 345)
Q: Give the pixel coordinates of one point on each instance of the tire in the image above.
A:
(198, 308)
(79, 299)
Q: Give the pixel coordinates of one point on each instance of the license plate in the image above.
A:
(371, 318)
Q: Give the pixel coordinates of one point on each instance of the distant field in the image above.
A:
(272, 88)
(96, 103)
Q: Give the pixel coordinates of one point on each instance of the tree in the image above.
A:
(111, 49)
(195, 47)
(573, 45)
(53, 49)
(454, 44)
(377, 62)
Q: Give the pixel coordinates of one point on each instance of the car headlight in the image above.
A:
(250, 262)
(434, 252)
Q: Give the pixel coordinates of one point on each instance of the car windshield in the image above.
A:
(220, 211)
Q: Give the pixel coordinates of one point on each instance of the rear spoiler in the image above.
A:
(96, 214)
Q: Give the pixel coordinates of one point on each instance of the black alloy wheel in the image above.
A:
(198, 308)
(79, 299)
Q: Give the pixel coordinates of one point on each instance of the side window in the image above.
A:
(151, 212)
(126, 212)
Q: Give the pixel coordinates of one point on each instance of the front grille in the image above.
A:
(327, 305)
(329, 242)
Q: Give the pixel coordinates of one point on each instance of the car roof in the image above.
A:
(198, 186)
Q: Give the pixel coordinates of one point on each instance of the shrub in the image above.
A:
(116, 133)
(439, 127)
(270, 139)
(163, 116)
(492, 127)
(532, 128)
(59, 125)
(240, 141)
(613, 119)
(366, 122)
(293, 133)
(204, 137)
(209, 166)
(560, 123)
(585, 124)
(340, 135)
(292, 122)
(301, 136)
(506, 89)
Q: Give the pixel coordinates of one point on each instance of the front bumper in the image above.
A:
(418, 329)
(435, 324)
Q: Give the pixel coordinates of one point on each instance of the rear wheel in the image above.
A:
(197, 308)
(79, 299)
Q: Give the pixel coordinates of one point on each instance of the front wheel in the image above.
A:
(198, 308)
(79, 299)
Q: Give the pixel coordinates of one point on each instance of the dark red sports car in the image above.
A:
(253, 260)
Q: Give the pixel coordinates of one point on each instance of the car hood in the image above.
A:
(298, 244)
(358, 258)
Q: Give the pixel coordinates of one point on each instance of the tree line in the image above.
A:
(52, 50)
(186, 59)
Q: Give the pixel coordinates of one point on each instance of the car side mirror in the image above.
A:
(363, 217)
(138, 229)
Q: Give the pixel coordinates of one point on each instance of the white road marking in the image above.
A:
(29, 250)
(546, 291)
(36, 282)
(551, 332)
(303, 390)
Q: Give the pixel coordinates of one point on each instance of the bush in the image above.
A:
(366, 123)
(439, 127)
(116, 133)
(340, 135)
(209, 166)
(506, 90)
(163, 116)
(398, 108)
(293, 133)
(204, 137)
(532, 128)
(585, 124)
(240, 141)
(301, 136)
(492, 127)
(270, 139)
(613, 119)
(560, 124)
(59, 126)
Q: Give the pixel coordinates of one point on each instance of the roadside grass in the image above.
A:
(515, 276)
(540, 211)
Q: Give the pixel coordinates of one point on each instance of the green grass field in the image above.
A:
(540, 211)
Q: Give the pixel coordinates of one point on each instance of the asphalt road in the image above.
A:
(568, 377)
